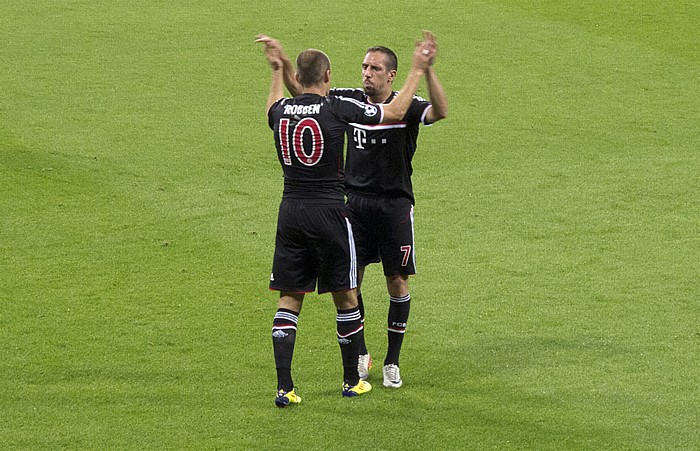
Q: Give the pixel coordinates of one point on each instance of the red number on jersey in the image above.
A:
(406, 254)
(307, 158)
(284, 141)
(313, 157)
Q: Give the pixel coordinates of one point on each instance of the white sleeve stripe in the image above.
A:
(356, 102)
(425, 113)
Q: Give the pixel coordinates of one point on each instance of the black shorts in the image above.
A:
(383, 229)
(314, 243)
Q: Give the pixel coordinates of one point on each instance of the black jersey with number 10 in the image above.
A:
(310, 136)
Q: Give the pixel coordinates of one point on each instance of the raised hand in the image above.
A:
(423, 55)
(273, 51)
(430, 39)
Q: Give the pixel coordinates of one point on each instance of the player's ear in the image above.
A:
(296, 77)
(327, 76)
(392, 75)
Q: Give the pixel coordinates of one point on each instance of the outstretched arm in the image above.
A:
(435, 90)
(423, 55)
(288, 71)
(276, 89)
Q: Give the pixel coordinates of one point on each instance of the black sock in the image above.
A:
(350, 331)
(284, 333)
(399, 308)
(361, 306)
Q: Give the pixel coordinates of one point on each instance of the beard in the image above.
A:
(370, 89)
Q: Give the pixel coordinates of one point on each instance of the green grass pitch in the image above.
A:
(557, 303)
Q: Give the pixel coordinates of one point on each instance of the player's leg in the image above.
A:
(363, 216)
(293, 273)
(350, 332)
(284, 332)
(338, 274)
(364, 361)
(397, 319)
(398, 258)
(360, 303)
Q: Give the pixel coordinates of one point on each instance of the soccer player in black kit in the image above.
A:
(314, 242)
(379, 189)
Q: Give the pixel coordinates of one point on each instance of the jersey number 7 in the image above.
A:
(307, 158)
(406, 254)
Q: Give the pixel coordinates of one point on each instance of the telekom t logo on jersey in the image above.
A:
(360, 137)
(359, 134)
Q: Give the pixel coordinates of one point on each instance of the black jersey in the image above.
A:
(310, 136)
(379, 156)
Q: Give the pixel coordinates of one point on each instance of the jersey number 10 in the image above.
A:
(307, 157)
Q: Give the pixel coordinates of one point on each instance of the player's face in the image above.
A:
(376, 80)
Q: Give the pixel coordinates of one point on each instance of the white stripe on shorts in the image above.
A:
(413, 242)
(353, 256)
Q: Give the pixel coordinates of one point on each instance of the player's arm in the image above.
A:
(276, 86)
(290, 81)
(436, 92)
(276, 89)
(288, 71)
(422, 58)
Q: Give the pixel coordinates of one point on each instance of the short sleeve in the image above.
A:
(271, 112)
(418, 110)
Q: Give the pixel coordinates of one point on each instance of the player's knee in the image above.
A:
(345, 300)
(397, 285)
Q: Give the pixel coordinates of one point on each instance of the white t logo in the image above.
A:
(360, 137)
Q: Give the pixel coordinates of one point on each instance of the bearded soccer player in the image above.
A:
(379, 190)
(314, 243)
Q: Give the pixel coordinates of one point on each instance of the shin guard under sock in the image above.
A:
(399, 308)
(350, 331)
(284, 332)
